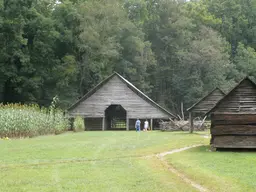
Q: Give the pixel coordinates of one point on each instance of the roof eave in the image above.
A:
(199, 101)
(245, 78)
(130, 85)
(90, 92)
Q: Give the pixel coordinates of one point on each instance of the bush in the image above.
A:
(79, 124)
(29, 120)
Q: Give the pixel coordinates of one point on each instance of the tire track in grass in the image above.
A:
(161, 156)
(176, 150)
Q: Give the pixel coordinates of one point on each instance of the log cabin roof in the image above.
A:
(232, 92)
(130, 85)
(207, 102)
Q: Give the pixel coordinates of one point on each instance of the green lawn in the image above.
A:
(218, 171)
(92, 161)
(117, 161)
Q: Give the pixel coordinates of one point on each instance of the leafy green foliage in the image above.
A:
(203, 65)
(245, 60)
(174, 51)
(79, 124)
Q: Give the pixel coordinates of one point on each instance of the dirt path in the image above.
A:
(176, 151)
(160, 156)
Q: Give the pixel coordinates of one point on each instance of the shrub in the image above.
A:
(29, 120)
(79, 124)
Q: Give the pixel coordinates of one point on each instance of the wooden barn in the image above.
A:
(233, 118)
(204, 105)
(115, 104)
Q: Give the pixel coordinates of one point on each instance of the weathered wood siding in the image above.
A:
(233, 120)
(233, 130)
(234, 141)
(208, 102)
(132, 124)
(116, 92)
(240, 100)
(233, 124)
(93, 124)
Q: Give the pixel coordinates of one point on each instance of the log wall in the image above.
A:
(233, 130)
(235, 141)
(233, 119)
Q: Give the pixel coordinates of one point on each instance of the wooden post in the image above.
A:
(182, 113)
(151, 124)
(127, 124)
(84, 125)
(191, 122)
(103, 123)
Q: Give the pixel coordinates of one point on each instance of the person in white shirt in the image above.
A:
(146, 125)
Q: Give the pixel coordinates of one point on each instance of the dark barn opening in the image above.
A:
(115, 118)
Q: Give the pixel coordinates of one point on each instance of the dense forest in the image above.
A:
(175, 51)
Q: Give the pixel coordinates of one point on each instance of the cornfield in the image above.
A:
(29, 120)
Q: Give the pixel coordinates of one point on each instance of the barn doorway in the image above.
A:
(115, 118)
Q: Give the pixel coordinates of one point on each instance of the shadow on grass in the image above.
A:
(201, 133)
(240, 150)
(224, 150)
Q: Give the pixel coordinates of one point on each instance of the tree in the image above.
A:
(191, 59)
(32, 71)
(245, 61)
(204, 65)
(110, 41)
(238, 22)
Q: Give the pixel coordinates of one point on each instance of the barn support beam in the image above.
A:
(191, 129)
(151, 124)
(127, 123)
(103, 123)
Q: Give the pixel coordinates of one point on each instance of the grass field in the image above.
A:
(118, 161)
(219, 171)
(91, 161)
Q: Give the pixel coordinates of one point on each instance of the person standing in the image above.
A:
(146, 125)
(137, 125)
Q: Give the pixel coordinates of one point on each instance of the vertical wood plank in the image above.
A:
(191, 122)
(151, 124)
(103, 123)
(115, 91)
(127, 123)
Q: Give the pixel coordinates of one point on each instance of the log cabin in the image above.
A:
(204, 105)
(233, 118)
(115, 104)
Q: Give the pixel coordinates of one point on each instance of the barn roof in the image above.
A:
(211, 100)
(230, 92)
(130, 85)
